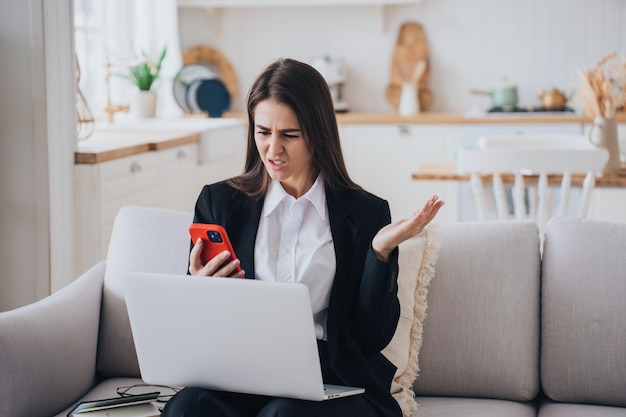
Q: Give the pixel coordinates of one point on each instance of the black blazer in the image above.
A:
(363, 309)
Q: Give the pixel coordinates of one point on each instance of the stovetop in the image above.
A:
(528, 110)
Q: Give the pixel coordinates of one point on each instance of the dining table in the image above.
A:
(448, 171)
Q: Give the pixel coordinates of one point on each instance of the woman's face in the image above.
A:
(281, 145)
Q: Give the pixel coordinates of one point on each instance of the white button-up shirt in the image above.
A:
(294, 244)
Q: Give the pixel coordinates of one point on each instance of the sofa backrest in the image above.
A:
(583, 357)
(481, 333)
(147, 240)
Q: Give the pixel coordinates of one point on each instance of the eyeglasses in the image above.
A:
(165, 392)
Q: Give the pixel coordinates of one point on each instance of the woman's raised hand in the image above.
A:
(397, 232)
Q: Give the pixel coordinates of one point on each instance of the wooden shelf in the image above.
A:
(289, 3)
(214, 7)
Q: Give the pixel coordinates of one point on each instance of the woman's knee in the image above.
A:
(183, 403)
(196, 402)
(285, 407)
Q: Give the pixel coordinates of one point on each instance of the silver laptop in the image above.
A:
(228, 334)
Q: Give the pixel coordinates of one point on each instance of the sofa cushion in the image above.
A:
(146, 240)
(481, 336)
(550, 409)
(417, 257)
(583, 357)
(472, 407)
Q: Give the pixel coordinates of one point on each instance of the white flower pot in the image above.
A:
(143, 104)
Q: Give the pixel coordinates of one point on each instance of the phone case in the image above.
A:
(215, 241)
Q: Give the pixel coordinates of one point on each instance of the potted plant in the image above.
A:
(143, 73)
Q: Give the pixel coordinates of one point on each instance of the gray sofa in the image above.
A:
(509, 332)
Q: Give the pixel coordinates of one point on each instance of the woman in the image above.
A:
(295, 215)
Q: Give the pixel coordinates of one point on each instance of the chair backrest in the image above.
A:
(521, 156)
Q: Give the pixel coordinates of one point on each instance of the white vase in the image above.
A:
(409, 104)
(143, 104)
(603, 134)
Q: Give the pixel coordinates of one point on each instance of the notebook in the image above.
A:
(228, 334)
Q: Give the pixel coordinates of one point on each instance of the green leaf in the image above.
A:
(142, 75)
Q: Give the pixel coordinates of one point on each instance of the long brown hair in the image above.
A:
(300, 87)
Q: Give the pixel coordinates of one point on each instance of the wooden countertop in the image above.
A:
(458, 118)
(447, 171)
(105, 146)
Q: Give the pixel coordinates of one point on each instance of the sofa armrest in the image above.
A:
(48, 349)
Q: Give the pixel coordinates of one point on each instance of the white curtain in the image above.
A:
(118, 30)
(156, 26)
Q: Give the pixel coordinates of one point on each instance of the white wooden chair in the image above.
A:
(539, 156)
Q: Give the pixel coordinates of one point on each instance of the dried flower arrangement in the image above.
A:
(602, 90)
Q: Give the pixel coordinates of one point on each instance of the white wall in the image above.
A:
(473, 43)
(37, 137)
(24, 248)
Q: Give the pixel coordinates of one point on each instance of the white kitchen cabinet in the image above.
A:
(608, 204)
(382, 157)
(178, 170)
(169, 177)
(222, 154)
(152, 179)
(470, 133)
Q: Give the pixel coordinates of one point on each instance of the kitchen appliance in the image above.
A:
(503, 95)
(553, 99)
(334, 73)
(504, 99)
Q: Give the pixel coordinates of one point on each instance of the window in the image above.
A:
(114, 32)
(103, 29)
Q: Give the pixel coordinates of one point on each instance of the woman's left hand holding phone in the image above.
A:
(218, 266)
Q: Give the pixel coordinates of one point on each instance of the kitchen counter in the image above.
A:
(105, 146)
(113, 141)
(461, 118)
(119, 140)
(458, 118)
(447, 171)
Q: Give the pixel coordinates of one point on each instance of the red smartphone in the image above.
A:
(215, 241)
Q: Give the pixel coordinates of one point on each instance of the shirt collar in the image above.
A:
(316, 195)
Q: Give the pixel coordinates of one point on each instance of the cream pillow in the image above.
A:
(416, 261)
